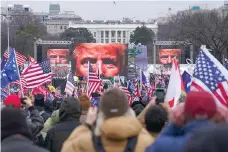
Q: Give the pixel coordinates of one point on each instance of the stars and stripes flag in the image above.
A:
(20, 58)
(37, 74)
(32, 60)
(225, 63)
(58, 92)
(94, 83)
(70, 85)
(125, 90)
(211, 76)
(4, 93)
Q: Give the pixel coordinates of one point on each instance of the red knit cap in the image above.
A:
(13, 100)
(200, 105)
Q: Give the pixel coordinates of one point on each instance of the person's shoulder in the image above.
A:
(145, 139)
(79, 139)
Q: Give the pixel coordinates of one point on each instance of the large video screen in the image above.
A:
(107, 59)
(58, 56)
(166, 55)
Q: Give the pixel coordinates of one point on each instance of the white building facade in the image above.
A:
(112, 31)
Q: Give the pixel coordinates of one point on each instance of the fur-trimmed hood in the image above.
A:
(114, 133)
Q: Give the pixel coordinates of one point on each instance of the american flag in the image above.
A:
(209, 75)
(226, 63)
(32, 60)
(125, 90)
(4, 93)
(58, 92)
(37, 74)
(70, 85)
(94, 83)
(20, 58)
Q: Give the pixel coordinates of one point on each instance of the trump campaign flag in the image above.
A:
(10, 72)
(187, 80)
(175, 87)
(211, 76)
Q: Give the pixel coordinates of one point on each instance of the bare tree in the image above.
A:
(206, 27)
(24, 26)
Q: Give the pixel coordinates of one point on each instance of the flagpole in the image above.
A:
(22, 91)
(140, 88)
(87, 89)
(7, 17)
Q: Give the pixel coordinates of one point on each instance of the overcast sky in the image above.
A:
(106, 10)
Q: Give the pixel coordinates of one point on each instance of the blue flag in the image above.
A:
(187, 79)
(143, 78)
(3, 62)
(10, 70)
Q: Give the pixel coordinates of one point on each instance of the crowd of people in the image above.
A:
(72, 124)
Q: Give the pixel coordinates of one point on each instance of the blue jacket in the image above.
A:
(173, 138)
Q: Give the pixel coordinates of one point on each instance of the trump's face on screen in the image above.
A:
(108, 59)
(58, 56)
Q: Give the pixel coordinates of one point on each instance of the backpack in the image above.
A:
(97, 143)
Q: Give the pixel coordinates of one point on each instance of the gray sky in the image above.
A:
(105, 10)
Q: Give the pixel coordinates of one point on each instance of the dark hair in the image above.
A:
(155, 118)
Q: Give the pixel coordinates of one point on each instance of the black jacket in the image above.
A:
(43, 113)
(34, 120)
(19, 143)
(69, 114)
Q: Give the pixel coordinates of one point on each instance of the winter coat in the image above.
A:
(45, 115)
(209, 139)
(34, 120)
(69, 114)
(115, 132)
(52, 121)
(83, 116)
(173, 138)
(19, 143)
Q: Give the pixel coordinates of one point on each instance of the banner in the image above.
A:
(141, 59)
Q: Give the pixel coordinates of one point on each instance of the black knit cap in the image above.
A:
(13, 122)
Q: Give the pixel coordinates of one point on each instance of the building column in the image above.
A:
(110, 36)
(116, 37)
(121, 37)
(104, 36)
(99, 32)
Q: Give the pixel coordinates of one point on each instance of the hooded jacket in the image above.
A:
(52, 121)
(114, 133)
(69, 114)
(39, 104)
(173, 138)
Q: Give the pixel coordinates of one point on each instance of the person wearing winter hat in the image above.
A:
(69, 115)
(116, 128)
(13, 100)
(85, 104)
(15, 133)
(197, 112)
(39, 103)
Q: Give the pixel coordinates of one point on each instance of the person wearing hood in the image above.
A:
(197, 112)
(16, 135)
(85, 104)
(39, 104)
(117, 128)
(69, 115)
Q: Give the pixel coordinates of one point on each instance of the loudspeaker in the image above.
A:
(39, 53)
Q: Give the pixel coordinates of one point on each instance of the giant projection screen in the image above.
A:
(109, 59)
